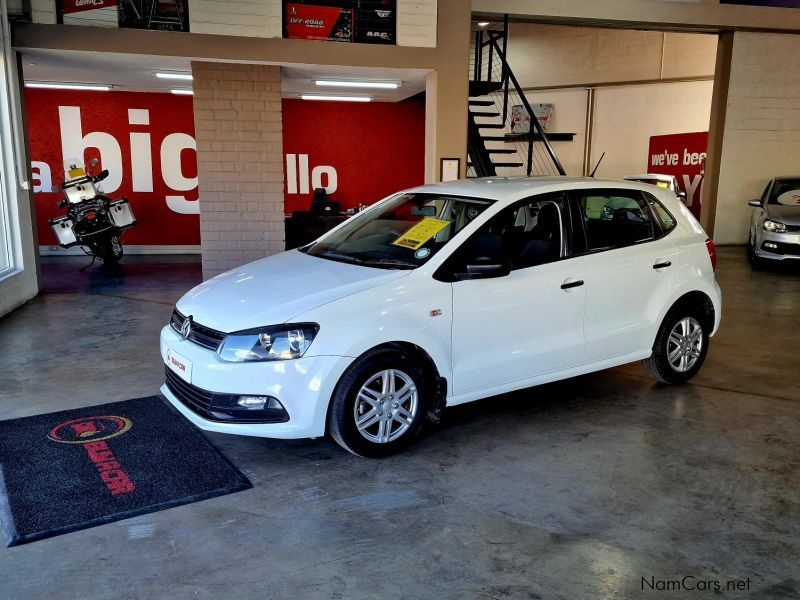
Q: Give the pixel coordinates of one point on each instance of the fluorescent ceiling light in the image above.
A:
(183, 76)
(382, 85)
(337, 98)
(182, 92)
(55, 85)
(483, 23)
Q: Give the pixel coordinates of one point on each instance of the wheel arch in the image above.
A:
(700, 299)
(438, 382)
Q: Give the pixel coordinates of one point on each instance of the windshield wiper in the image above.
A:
(388, 262)
(338, 256)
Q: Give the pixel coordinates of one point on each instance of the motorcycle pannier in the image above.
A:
(62, 229)
(121, 214)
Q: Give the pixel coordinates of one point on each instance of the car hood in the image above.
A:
(790, 215)
(272, 290)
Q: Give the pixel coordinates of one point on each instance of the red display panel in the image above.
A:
(372, 150)
(311, 22)
(682, 155)
(148, 177)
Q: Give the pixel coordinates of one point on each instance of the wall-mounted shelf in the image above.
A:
(553, 137)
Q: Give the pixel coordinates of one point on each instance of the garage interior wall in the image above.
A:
(645, 83)
(237, 117)
(761, 130)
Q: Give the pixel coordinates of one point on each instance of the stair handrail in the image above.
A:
(534, 121)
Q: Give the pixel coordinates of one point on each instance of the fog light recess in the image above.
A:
(258, 402)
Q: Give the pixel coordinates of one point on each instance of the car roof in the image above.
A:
(788, 178)
(516, 188)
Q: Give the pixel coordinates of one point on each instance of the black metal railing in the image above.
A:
(488, 65)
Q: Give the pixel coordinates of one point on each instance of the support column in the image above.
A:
(237, 116)
(755, 127)
(446, 90)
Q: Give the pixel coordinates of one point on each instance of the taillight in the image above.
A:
(712, 253)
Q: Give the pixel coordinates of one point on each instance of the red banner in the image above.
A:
(310, 22)
(684, 156)
(359, 152)
(75, 6)
(147, 143)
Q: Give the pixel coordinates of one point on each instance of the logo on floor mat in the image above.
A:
(91, 433)
(90, 429)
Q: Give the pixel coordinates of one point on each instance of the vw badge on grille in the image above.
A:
(186, 328)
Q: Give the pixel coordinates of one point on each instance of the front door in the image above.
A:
(530, 321)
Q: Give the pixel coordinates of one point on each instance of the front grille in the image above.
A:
(792, 228)
(219, 407)
(195, 399)
(199, 334)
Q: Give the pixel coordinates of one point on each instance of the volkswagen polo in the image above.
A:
(441, 295)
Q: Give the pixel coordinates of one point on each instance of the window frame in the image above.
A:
(575, 198)
(446, 271)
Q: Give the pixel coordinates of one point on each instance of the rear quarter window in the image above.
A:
(663, 216)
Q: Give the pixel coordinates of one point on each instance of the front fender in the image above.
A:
(416, 309)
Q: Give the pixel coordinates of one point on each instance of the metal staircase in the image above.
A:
(493, 147)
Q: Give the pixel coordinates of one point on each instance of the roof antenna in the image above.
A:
(597, 165)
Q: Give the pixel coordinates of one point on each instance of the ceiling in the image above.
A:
(135, 73)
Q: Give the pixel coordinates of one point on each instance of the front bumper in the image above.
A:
(303, 387)
(778, 246)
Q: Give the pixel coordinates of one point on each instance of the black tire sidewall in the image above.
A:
(341, 422)
(660, 348)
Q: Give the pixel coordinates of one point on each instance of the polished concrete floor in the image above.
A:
(576, 490)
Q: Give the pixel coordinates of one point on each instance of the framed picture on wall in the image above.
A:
(359, 21)
(450, 169)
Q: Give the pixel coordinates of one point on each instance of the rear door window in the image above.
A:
(614, 218)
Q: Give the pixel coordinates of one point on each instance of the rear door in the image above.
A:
(630, 270)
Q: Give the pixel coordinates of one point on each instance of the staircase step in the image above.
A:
(485, 114)
(482, 88)
(494, 138)
(481, 103)
(501, 150)
(491, 126)
(506, 164)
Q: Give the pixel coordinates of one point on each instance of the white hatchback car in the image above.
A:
(440, 295)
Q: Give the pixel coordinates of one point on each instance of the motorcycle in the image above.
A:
(93, 221)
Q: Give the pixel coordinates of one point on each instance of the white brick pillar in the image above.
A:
(237, 117)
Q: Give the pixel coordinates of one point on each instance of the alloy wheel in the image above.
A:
(685, 344)
(386, 406)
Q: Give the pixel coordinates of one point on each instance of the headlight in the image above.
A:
(774, 226)
(280, 342)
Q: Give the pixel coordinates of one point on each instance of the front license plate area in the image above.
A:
(179, 365)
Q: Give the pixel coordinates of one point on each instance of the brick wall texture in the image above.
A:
(762, 126)
(237, 116)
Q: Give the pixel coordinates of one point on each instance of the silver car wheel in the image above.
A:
(685, 344)
(385, 406)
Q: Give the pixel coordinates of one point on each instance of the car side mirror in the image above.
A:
(755, 203)
(682, 196)
(101, 175)
(484, 268)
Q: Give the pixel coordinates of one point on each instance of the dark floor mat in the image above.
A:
(74, 469)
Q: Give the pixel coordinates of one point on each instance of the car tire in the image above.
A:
(680, 347)
(755, 261)
(363, 394)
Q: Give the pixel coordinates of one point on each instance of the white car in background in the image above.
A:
(666, 182)
(440, 295)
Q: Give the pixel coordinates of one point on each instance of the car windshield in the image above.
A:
(786, 192)
(402, 233)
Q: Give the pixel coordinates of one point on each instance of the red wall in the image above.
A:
(108, 112)
(375, 149)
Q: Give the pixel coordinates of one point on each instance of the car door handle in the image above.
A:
(567, 285)
(662, 264)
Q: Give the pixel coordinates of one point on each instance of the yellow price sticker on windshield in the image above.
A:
(76, 172)
(420, 233)
(662, 184)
